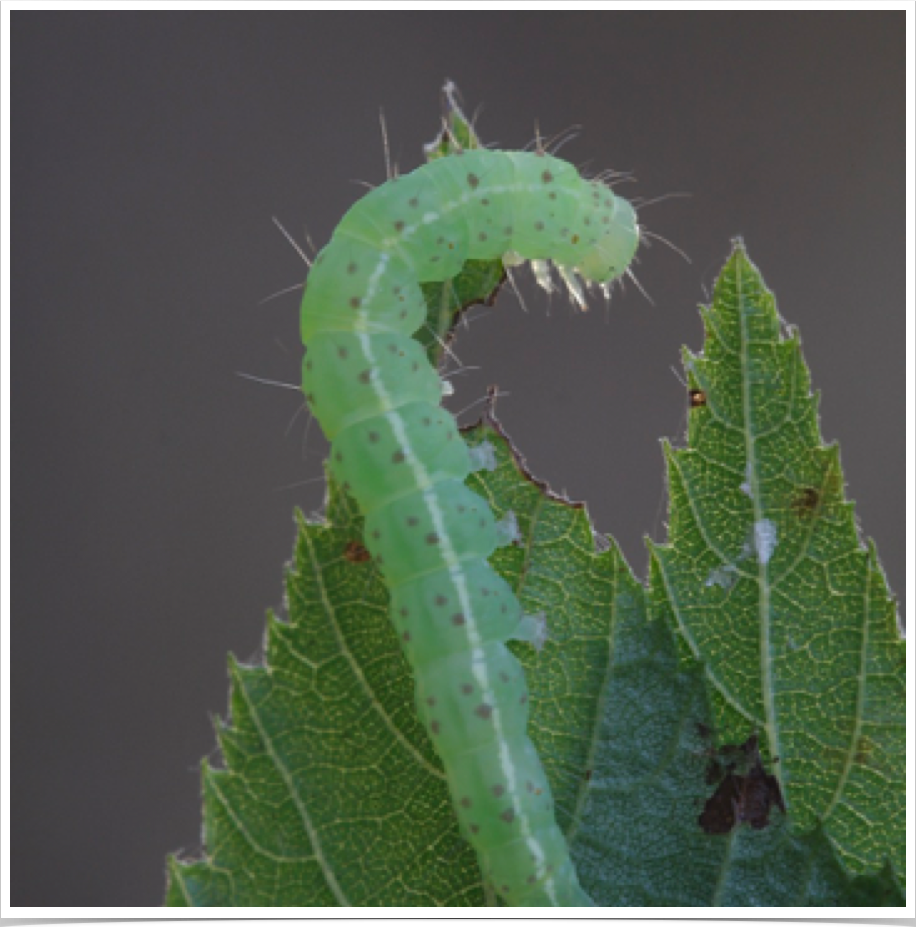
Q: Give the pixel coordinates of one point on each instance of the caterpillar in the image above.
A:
(398, 453)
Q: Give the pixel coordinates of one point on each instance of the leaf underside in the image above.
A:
(331, 794)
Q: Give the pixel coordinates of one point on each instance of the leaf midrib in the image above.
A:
(753, 479)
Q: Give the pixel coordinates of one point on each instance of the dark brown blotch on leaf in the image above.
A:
(746, 794)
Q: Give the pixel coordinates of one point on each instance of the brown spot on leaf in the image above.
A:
(356, 553)
(746, 794)
(805, 503)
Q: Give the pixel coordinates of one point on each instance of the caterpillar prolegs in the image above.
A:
(399, 454)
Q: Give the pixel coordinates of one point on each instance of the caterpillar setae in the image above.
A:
(399, 454)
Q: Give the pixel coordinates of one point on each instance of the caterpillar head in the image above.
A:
(613, 252)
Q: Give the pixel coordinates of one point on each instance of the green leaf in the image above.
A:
(332, 794)
(457, 133)
(639, 842)
(770, 587)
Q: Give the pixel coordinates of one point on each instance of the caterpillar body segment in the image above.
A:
(399, 454)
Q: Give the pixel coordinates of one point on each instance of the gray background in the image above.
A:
(151, 151)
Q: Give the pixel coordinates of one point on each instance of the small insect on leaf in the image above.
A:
(697, 398)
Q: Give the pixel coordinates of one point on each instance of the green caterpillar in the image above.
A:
(399, 454)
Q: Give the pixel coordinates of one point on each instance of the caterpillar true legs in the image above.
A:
(400, 456)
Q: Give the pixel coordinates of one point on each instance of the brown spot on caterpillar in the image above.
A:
(365, 376)
(431, 701)
(575, 239)
(482, 236)
(351, 268)
(376, 534)
(338, 457)
(474, 829)
(432, 538)
(308, 365)
(435, 727)
(547, 177)
(374, 437)
(466, 802)
(393, 348)
(458, 619)
(498, 790)
(523, 699)
(356, 553)
(539, 226)
(504, 676)
(508, 230)
(485, 202)
(484, 711)
(466, 688)
(404, 612)
(405, 636)
(427, 421)
(343, 353)
(508, 815)
(473, 181)
(412, 521)
(398, 457)
(413, 202)
(529, 785)
(355, 302)
(441, 600)
(399, 226)
(697, 398)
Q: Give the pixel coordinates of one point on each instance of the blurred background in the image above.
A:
(156, 487)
